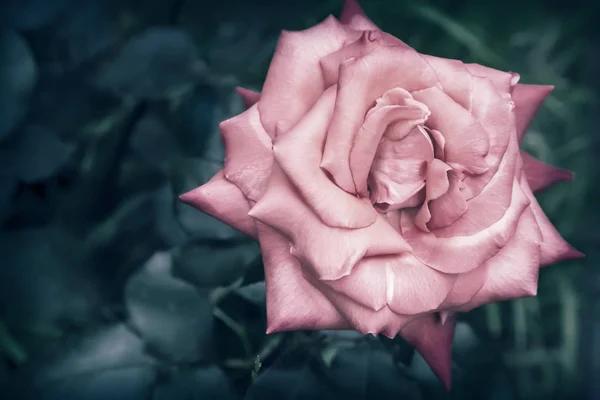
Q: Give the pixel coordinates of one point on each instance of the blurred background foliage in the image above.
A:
(112, 289)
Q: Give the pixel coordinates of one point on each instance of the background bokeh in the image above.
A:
(112, 289)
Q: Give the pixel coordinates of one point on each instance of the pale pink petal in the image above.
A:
(250, 97)
(330, 64)
(513, 272)
(553, 247)
(449, 207)
(292, 302)
(466, 141)
(540, 175)
(437, 184)
(398, 116)
(490, 205)
(461, 254)
(353, 16)
(364, 319)
(455, 79)
(399, 282)
(361, 82)
(495, 113)
(248, 155)
(465, 287)
(298, 152)
(330, 252)
(505, 82)
(433, 340)
(294, 80)
(223, 200)
(528, 99)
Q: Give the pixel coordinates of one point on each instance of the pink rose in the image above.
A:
(386, 187)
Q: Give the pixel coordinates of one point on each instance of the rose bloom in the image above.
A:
(386, 187)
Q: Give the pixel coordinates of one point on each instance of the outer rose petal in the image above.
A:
(364, 319)
(361, 82)
(298, 152)
(455, 79)
(250, 97)
(553, 247)
(528, 99)
(513, 272)
(463, 253)
(248, 155)
(495, 113)
(292, 302)
(540, 175)
(397, 281)
(294, 80)
(433, 340)
(224, 201)
(330, 252)
(504, 81)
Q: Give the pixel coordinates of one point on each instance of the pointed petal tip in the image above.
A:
(187, 197)
(249, 97)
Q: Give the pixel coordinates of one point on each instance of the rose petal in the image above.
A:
(449, 207)
(553, 247)
(364, 319)
(250, 97)
(401, 282)
(495, 114)
(399, 168)
(361, 81)
(437, 184)
(455, 79)
(465, 287)
(540, 175)
(528, 99)
(294, 80)
(223, 200)
(248, 155)
(397, 120)
(287, 289)
(490, 205)
(330, 252)
(513, 272)
(330, 64)
(298, 152)
(463, 253)
(466, 141)
(433, 340)
(505, 82)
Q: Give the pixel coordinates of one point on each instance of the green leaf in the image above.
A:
(213, 264)
(107, 363)
(18, 75)
(172, 316)
(194, 384)
(154, 64)
(43, 280)
(36, 154)
(31, 14)
(151, 142)
(254, 293)
(366, 371)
